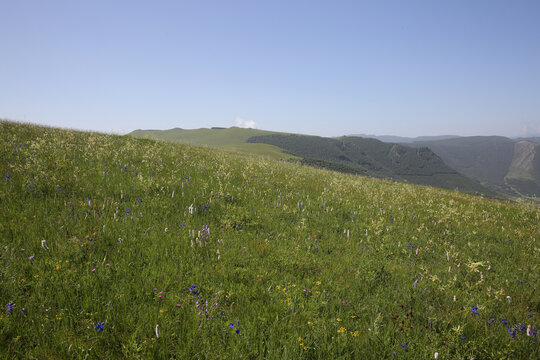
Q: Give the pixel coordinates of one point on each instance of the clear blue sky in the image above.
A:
(315, 67)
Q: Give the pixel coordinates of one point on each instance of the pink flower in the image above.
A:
(107, 265)
(94, 269)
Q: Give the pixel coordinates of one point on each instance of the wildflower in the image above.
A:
(475, 310)
(99, 326)
(338, 319)
(436, 355)
(341, 330)
(491, 321)
(30, 257)
(157, 331)
(504, 321)
(94, 269)
(404, 346)
(529, 330)
(509, 299)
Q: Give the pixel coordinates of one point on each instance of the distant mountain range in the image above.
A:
(402, 139)
(369, 157)
(511, 166)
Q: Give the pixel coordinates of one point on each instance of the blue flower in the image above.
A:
(231, 325)
(99, 326)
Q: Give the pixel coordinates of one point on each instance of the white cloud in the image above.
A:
(243, 123)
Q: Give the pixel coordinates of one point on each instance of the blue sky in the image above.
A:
(315, 67)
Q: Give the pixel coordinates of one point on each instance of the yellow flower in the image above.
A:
(353, 316)
(341, 330)
(278, 287)
(58, 267)
(161, 311)
(355, 334)
(299, 339)
(318, 283)
(324, 303)
(309, 323)
(338, 319)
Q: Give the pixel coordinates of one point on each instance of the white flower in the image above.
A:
(436, 356)
(44, 245)
(509, 299)
(157, 331)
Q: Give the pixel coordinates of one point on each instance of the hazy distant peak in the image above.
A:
(404, 139)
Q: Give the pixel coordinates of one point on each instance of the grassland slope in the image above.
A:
(232, 138)
(117, 247)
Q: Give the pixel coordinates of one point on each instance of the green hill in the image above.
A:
(353, 155)
(372, 157)
(234, 139)
(115, 247)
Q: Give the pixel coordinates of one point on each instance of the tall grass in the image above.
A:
(240, 257)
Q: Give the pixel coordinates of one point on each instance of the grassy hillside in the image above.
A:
(117, 247)
(233, 138)
(372, 157)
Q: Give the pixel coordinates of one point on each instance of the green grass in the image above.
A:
(125, 221)
(232, 139)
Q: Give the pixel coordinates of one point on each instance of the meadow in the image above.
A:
(117, 247)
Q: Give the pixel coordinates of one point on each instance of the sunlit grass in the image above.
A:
(245, 257)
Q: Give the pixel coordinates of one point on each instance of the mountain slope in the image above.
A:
(372, 157)
(486, 158)
(500, 163)
(524, 172)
